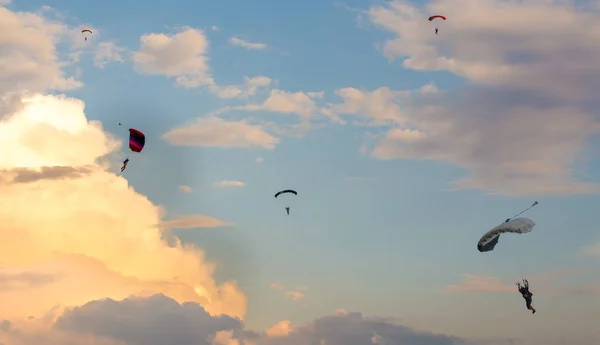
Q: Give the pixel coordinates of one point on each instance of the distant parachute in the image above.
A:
(436, 16)
(512, 225)
(286, 191)
(137, 140)
(86, 30)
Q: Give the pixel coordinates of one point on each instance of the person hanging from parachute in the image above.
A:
(137, 141)
(512, 225)
(527, 295)
(434, 17)
(286, 191)
(86, 30)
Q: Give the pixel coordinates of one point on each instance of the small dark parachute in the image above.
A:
(286, 191)
(86, 31)
(434, 17)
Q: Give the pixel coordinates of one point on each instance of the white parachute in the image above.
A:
(512, 225)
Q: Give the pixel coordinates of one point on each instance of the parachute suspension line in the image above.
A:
(525, 210)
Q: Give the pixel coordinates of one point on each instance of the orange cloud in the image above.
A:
(65, 215)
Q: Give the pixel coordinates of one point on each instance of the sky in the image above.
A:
(404, 146)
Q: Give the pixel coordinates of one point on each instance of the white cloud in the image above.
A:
(30, 61)
(252, 85)
(259, 159)
(186, 189)
(214, 28)
(248, 45)
(229, 183)
(194, 221)
(108, 52)
(529, 92)
(216, 132)
(181, 56)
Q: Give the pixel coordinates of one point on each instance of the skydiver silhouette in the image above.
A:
(124, 164)
(436, 31)
(527, 295)
(287, 209)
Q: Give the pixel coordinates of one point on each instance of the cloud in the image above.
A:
(251, 86)
(477, 283)
(163, 321)
(248, 45)
(229, 183)
(30, 60)
(526, 91)
(158, 320)
(216, 132)
(294, 295)
(291, 295)
(259, 159)
(25, 175)
(276, 286)
(214, 28)
(108, 52)
(181, 56)
(185, 189)
(194, 221)
(362, 179)
(281, 328)
(473, 283)
(24, 280)
(66, 215)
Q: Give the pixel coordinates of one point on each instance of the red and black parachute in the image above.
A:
(437, 16)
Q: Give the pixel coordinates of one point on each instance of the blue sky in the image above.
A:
(390, 243)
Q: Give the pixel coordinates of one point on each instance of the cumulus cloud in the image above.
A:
(194, 221)
(30, 60)
(108, 52)
(248, 45)
(181, 56)
(185, 189)
(64, 214)
(159, 320)
(216, 132)
(229, 183)
(527, 91)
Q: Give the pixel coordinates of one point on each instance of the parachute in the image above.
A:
(518, 226)
(512, 225)
(137, 140)
(436, 16)
(86, 30)
(286, 191)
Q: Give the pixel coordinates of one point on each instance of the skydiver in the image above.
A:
(436, 31)
(527, 295)
(287, 209)
(124, 164)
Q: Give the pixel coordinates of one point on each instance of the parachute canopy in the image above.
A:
(518, 226)
(285, 192)
(137, 140)
(436, 16)
(86, 30)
